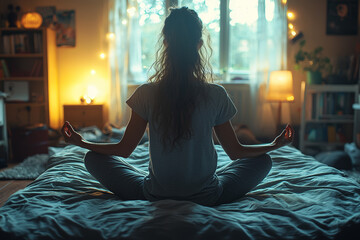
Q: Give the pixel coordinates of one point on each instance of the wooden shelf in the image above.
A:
(22, 55)
(31, 104)
(20, 29)
(22, 79)
(323, 144)
(332, 87)
(342, 121)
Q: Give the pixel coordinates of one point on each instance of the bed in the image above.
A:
(299, 199)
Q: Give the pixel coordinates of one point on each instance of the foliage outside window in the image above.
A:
(231, 25)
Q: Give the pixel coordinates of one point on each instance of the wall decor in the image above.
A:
(342, 17)
(65, 28)
(48, 14)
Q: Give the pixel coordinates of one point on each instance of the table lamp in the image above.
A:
(280, 89)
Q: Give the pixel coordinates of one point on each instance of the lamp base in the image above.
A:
(278, 124)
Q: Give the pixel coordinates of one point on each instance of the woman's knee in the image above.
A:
(91, 159)
(266, 162)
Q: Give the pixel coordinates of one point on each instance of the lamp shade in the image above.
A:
(280, 87)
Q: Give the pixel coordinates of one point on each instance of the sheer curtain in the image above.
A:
(124, 41)
(267, 50)
(268, 53)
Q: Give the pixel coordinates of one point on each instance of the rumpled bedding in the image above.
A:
(299, 199)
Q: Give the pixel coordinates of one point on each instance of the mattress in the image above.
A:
(299, 199)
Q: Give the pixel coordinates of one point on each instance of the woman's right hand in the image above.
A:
(286, 137)
(70, 135)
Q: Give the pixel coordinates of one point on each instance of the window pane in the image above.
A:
(243, 17)
(152, 14)
(209, 13)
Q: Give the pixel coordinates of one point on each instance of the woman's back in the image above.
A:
(185, 171)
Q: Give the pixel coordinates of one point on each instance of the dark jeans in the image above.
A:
(126, 181)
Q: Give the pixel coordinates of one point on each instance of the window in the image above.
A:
(151, 16)
(231, 25)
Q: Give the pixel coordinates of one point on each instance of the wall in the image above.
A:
(310, 18)
(75, 63)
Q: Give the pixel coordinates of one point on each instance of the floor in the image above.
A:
(8, 187)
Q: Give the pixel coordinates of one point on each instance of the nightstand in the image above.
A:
(84, 115)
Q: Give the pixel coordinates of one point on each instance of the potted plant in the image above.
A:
(314, 63)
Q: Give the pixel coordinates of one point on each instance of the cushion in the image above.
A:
(354, 152)
(336, 159)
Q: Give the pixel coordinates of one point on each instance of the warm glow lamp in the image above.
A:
(31, 20)
(90, 95)
(280, 89)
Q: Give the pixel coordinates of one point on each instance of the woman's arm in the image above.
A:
(132, 136)
(227, 137)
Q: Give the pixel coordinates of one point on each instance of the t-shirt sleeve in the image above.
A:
(226, 107)
(138, 102)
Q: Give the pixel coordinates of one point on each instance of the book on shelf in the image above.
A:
(4, 68)
(16, 43)
(356, 68)
(352, 67)
(330, 105)
(36, 69)
(314, 104)
(37, 42)
(330, 133)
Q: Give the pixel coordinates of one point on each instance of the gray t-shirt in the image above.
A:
(186, 172)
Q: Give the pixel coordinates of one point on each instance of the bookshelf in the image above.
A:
(28, 75)
(327, 119)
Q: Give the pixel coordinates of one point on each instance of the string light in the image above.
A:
(102, 55)
(291, 15)
(110, 36)
(290, 98)
(284, 2)
(93, 72)
(90, 95)
(293, 34)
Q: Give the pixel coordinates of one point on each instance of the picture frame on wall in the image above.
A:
(342, 17)
(65, 28)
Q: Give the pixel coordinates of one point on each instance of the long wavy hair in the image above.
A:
(182, 70)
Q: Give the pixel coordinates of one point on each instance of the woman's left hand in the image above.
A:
(70, 135)
(286, 137)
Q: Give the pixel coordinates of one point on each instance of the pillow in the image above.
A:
(354, 152)
(336, 159)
